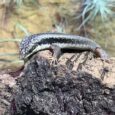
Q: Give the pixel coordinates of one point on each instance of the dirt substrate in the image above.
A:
(81, 85)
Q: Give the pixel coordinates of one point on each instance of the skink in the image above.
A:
(58, 41)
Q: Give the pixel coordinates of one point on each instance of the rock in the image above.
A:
(46, 89)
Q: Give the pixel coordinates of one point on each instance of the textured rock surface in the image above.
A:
(56, 90)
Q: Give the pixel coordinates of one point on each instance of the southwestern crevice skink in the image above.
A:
(56, 41)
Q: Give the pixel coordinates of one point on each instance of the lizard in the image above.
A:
(58, 42)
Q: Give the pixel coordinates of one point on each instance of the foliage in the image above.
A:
(94, 8)
(26, 2)
(23, 29)
(18, 2)
(9, 6)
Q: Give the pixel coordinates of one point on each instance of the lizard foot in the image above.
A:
(54, 61)
(70, 63)
(102, 54)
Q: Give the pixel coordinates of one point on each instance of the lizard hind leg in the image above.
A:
(56, 54)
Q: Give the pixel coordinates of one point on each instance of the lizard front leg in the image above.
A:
(56, 54)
